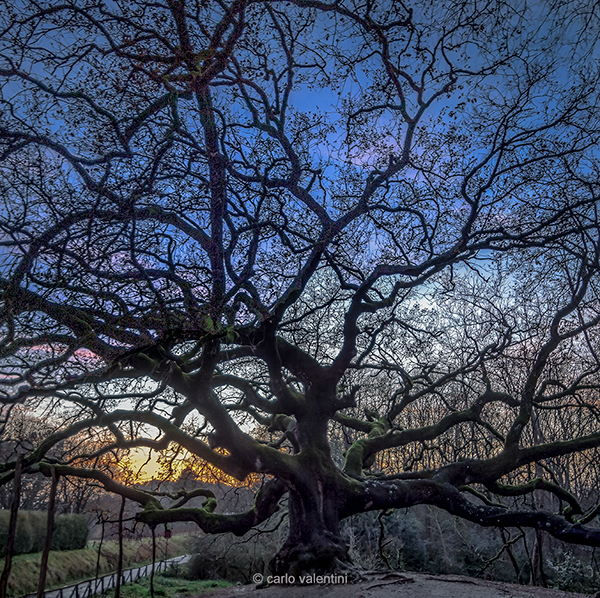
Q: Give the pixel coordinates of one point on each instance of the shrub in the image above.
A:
(570, 572)
(70, 532)
(231, 558)
(24, 535)
(38, 521)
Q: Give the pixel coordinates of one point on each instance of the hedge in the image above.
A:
(70, 532)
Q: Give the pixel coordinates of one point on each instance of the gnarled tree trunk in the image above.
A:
(314, 544)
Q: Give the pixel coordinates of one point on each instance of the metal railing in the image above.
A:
(91, 587)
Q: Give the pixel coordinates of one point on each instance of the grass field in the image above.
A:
(69, 566)
(168, 586)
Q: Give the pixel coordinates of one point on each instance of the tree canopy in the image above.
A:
(348, 246)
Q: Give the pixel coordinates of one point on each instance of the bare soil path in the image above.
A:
(399, 585)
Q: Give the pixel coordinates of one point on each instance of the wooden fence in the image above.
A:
(91, 587)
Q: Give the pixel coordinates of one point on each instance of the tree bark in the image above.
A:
(12, 529)
(120, 563)
(538, 575)
(314, 544)
(153, 528)
(49, 529)
(100, 548)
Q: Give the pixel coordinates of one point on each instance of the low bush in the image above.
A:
(570, 572)
(234, 559)
(70, 532)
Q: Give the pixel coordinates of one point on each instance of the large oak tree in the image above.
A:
(264, 231)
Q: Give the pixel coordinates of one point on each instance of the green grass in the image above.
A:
(167, 586)
(66, 567)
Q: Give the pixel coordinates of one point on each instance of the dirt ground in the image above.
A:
(398, 585)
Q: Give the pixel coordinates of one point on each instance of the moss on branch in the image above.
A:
(265, 505)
